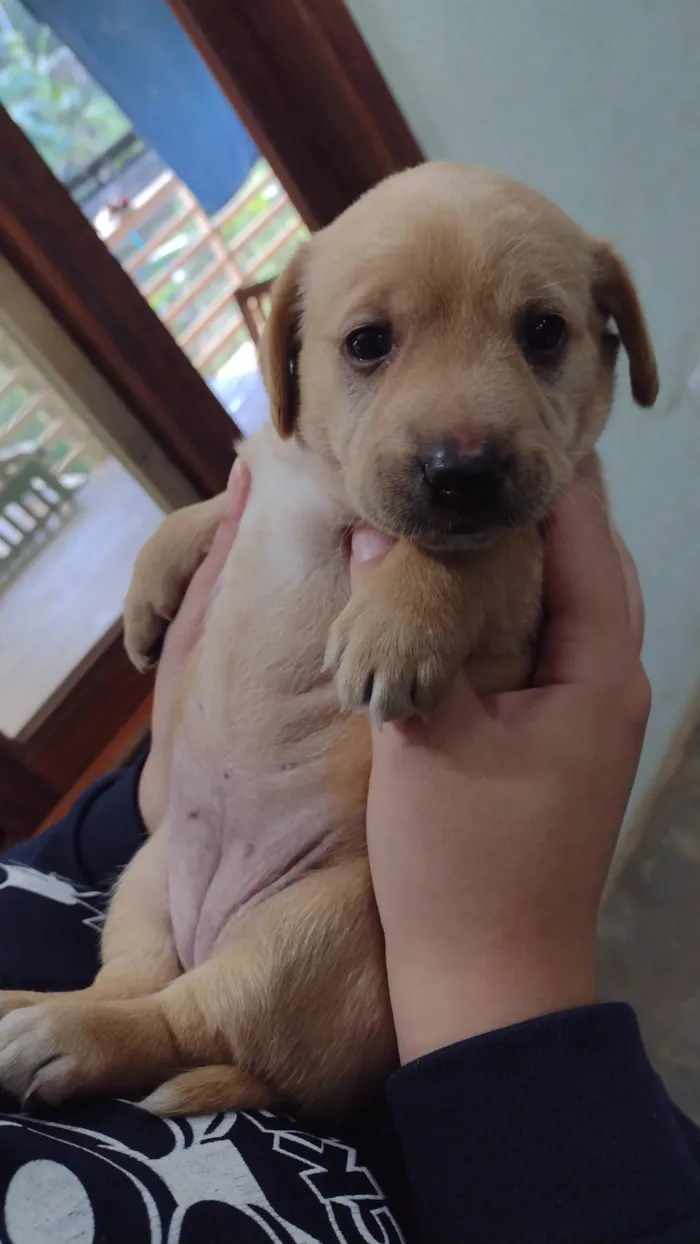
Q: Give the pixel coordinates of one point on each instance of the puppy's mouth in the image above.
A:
(454, 541)
(466, 511)
(437, 537)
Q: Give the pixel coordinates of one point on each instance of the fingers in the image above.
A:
(592, 601)
(635, 602)
(583, 576)
(451, 720)
(367, 549)
(237, 491)
(185, 628)
(204, 580)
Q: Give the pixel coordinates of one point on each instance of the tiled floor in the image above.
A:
(650, 933)
(62, 603)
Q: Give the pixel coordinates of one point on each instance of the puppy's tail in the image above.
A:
(207, 1090)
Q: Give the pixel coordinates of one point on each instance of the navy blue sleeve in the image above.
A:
(54, 889)
(97, 838)
(555, 1131)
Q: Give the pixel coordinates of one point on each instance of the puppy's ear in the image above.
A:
(279, 348)
(617, 298)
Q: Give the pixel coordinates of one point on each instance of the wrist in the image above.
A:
(439, 1008)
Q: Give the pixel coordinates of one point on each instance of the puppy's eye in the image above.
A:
(369, 344)
(542, 335)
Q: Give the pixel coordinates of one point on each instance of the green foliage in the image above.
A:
(260, 203)
(55, 102)
(11, 402)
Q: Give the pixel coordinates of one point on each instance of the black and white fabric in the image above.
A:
(108, 1172)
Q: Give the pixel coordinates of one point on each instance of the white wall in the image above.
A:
(597, 104)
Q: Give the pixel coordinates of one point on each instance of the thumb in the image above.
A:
(443, 731)
(368, 548)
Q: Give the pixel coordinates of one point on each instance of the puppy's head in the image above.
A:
(447, 344)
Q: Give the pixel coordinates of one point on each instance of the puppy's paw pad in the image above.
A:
(382, 666)
(54, 1050)
(33, 1060)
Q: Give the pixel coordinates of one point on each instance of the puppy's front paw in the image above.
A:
(383, 663)
(144, 629)
(13, 999)
(57, 1050)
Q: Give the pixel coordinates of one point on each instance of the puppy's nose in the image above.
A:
(469, 484)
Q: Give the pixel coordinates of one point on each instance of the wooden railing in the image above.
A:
(190, 265)
(46, 453)
(32, 414)
(198, 273)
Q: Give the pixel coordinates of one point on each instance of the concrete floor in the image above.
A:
(650, 933)
(62, 603)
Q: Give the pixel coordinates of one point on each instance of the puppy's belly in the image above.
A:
(240, 829)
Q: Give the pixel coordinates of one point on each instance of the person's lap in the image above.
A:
(107, 1170)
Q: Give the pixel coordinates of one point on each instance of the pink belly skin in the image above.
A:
(239, 831)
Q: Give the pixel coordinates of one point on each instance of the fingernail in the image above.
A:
(155, 651)
(368, 544)
(32, 1103)
(232, 487)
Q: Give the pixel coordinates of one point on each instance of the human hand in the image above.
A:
(491, 827)
(180, 638)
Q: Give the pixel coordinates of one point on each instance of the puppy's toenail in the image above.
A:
(154, 653)
(33, 1103)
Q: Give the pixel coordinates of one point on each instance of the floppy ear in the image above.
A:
(617, 298)
(279, 348)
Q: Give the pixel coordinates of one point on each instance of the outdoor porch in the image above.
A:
(61, 604)
(65, 594)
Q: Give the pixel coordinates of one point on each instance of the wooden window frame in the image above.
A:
(54, 248)
(302, 79)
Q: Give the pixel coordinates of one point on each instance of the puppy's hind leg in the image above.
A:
(293, 1012)
(138, 951)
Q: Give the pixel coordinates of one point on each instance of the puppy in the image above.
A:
(437, 362)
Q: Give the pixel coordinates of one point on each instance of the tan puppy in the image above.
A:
(437, 361)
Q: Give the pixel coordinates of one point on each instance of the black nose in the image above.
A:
(470, 485)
